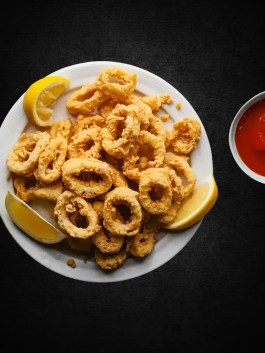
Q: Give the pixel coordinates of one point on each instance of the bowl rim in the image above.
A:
(258, 97)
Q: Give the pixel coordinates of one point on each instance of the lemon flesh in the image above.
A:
(40, 97)
(30, 221)
(196, 206)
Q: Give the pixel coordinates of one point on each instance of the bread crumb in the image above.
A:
(165, 117)
(71, 263)
(166, 98)
(178, 106)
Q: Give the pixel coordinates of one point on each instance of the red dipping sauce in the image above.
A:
(250, 137)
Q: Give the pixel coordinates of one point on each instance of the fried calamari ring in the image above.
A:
(110, 261)
(85, 100)
(142, 243)
(51, 192)
(185, 135)
(149, 153)
(23, 158)
(182, 167)
(153, 101)
(86, 143)
(157, 128)
(107, 242)
(177, 197)
(51, 161)
(98, 207)
(87, 177)
(76, 216)
(105, 109)
(155, 192)
(61, 128)
(122, 212)
(118, 178)
(122, 129)
(85, 122)
(116, 83)
(25, 187)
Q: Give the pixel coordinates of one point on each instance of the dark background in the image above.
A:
(213, 290)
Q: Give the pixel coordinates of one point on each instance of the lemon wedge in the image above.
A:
(196, 206)
(40, 97)
(31, 222)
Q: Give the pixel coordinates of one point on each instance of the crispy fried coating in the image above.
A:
(61, 128)
(26, 187)
(155, 191)
(51, 192)
(51, 161)
(24, 156)
(85, 100)
(142, 243)
(110, 261)
(86, 143)
(107, 242)
(87, 177)
(76, 216)
(185, 135)
(122, 212)
(116, 83)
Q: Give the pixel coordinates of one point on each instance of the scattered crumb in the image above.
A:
(178, 106)
(165, 117)
(71, 263)
(166, 98)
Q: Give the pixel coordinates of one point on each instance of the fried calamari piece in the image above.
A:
(110, 261)
(51, 192)
(25, 187)
(107, 242)
(185, 135)
(122, 212)
(85, 122)
(98, 207)
(51, 161)
(105, 109)
(142, 243)
(166, 98)
(122, 130)
(85, 100)
(116, 83)
(177, 198)
(87, 177)
(183, 169)
(24, 156)
(61, 128)
(76, 216)
(157, 128)
(153, 101)
(149, 153)
(155, 192)
(86, 143)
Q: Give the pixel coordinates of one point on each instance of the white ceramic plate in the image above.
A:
(55, 257)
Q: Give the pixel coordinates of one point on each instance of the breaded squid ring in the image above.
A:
(67, 208)
(149, 153)
(83, 176)
(107, 242)
(85, 100)
(185, 135)
(23, 158)
(86, 143)
(157, 128)
(144, 111)
(182, 167)
(142, 243)
(116, 83)
(25, 187)
(105, 109)
(50, 193)
(110, 261)
(98, 207)
(122, 129)
(85, 122)
(114, 221)
(51, 161)
(61, 128)
(177, 197)
(155, 192)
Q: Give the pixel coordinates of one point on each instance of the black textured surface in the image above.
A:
(213, 289)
